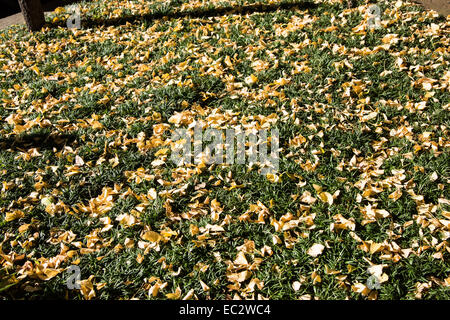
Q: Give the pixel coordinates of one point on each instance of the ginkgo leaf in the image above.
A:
(395, 195)
(204, 286)
(175, 295)
(48, 273)
(316, 278)
(13, 215)
(296, 285)
(87, 288)
(240, 259)
(316, 250)
(151, 236)
(46, 201)
(79, 161)
(251, 79)
(228, 62)
(273, 178)
(326, 197)
(240, 276)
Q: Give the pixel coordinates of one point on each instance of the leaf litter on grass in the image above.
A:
(361, 194)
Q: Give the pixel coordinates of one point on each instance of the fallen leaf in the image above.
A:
(316, 250)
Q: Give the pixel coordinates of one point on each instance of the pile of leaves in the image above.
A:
(359, 208)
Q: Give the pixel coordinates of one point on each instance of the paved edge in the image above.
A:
(440, 6)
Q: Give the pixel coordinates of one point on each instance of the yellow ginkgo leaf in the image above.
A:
(326, 197)
(316, 250)
(13, 215)
(175, 295)
(239, 277)
(205, 287)
(240, 259)
(316, 277)
(87, 288)
(395, 195)
(228, 62)
(273, 177)
(151, 236)
(251, 79)
(36, 70)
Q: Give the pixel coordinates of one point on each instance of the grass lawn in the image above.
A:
(361, 193)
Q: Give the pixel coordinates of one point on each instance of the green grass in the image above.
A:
(155, 59)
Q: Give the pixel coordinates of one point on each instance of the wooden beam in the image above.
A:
(32, 13)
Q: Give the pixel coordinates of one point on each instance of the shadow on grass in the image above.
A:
(195, 13)
(37, 140)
